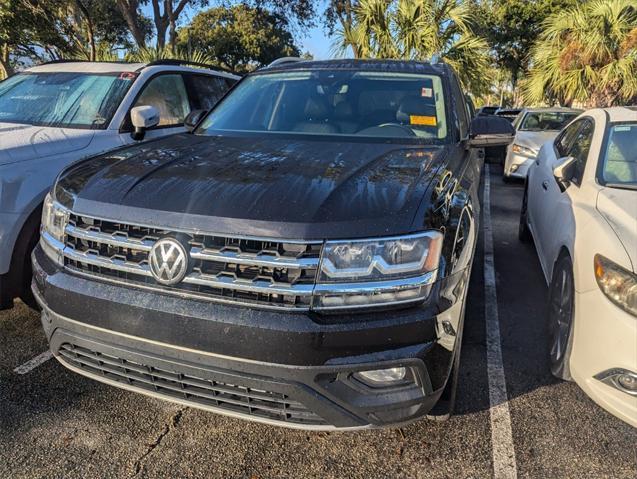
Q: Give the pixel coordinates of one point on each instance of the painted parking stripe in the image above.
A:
(31, 364)
(504, 464)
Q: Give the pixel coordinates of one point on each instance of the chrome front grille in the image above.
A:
(207, 393)
(276, 274)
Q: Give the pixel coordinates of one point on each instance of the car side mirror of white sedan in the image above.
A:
(143, 117)
(564, 171)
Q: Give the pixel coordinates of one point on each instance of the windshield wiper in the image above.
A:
(623, 186)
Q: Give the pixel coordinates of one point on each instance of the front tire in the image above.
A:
(524, 234)
(560, 318)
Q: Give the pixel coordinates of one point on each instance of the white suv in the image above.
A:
(57, 113)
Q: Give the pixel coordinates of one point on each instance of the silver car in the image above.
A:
(534, 127)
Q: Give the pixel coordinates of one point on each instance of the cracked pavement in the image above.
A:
(57, 424)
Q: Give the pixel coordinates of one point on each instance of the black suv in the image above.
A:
(300, 258)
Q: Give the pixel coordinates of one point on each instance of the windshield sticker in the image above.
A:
(426, 92)
(422, 120)
(622, 128)
(127, 76)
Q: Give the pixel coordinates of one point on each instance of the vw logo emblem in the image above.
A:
(168, 261)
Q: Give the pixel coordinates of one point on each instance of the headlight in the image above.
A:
(523, 150)
(618, 284)
(54, 220)
(377, 272)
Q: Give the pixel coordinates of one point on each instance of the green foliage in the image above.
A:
(587, 53)
(151, 54)
(239, 38)
(512, 26)
(419, 30)
(35, 30)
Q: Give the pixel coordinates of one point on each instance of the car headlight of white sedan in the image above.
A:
(618, 284)
(523, 150)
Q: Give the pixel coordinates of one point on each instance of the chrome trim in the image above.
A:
(258, 259)
(157, 288)
(53, 243)
(109, 239)
(196, 231)
(247, 285)
(97, 260)
(377, 286)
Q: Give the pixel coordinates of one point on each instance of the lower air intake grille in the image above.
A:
(203, 392)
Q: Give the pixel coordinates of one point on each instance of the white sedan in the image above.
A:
(580, 208)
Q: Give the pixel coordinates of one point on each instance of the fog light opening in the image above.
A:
(628, 382)
(621, 379)
(382, 377)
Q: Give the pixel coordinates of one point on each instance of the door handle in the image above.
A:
(545, 184)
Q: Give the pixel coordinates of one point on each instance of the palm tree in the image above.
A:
(147, 55)
(419, 30)
(588, 54)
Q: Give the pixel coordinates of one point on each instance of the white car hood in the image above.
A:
(534, 139)
(619, 208)
(26, 142)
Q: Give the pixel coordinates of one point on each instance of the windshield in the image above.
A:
(325, 102)
(620, 157)
(73, 100)
(546, 121)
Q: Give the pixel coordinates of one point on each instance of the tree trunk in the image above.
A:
(6, 69)
(129, 10)
(89, 30)
(161, 22)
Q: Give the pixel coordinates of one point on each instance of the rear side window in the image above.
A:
(206, 90)
(168, 94)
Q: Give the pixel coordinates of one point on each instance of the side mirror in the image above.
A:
(490, 131)
(564, 171)
(193, 118)
(143, 118)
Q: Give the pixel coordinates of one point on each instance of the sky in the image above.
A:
(315, 40)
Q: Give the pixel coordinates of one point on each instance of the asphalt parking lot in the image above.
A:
(54, 423)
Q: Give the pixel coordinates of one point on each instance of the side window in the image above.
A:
(580, 149)
(461, 110)
(565, 139)
(167, 93)
(206, 90)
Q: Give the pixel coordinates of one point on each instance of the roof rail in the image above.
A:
(177, 62)
(72, 60)
(283, 61)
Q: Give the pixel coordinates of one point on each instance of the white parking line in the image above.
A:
(31, 364)
(504, 464)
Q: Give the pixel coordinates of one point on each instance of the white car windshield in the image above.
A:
(620, 156)
(335, 102)
(63, 99)
(546, 121)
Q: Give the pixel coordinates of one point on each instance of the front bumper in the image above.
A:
(517, 166)
(604, 338)
(290, 369)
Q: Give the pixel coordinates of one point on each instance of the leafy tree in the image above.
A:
(586, 53)
(166, 14)
(512, 26)
(150, 54)
(37, 30)
(240, 37)
(419, 30)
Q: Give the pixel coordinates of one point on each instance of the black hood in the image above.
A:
(290, 187)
